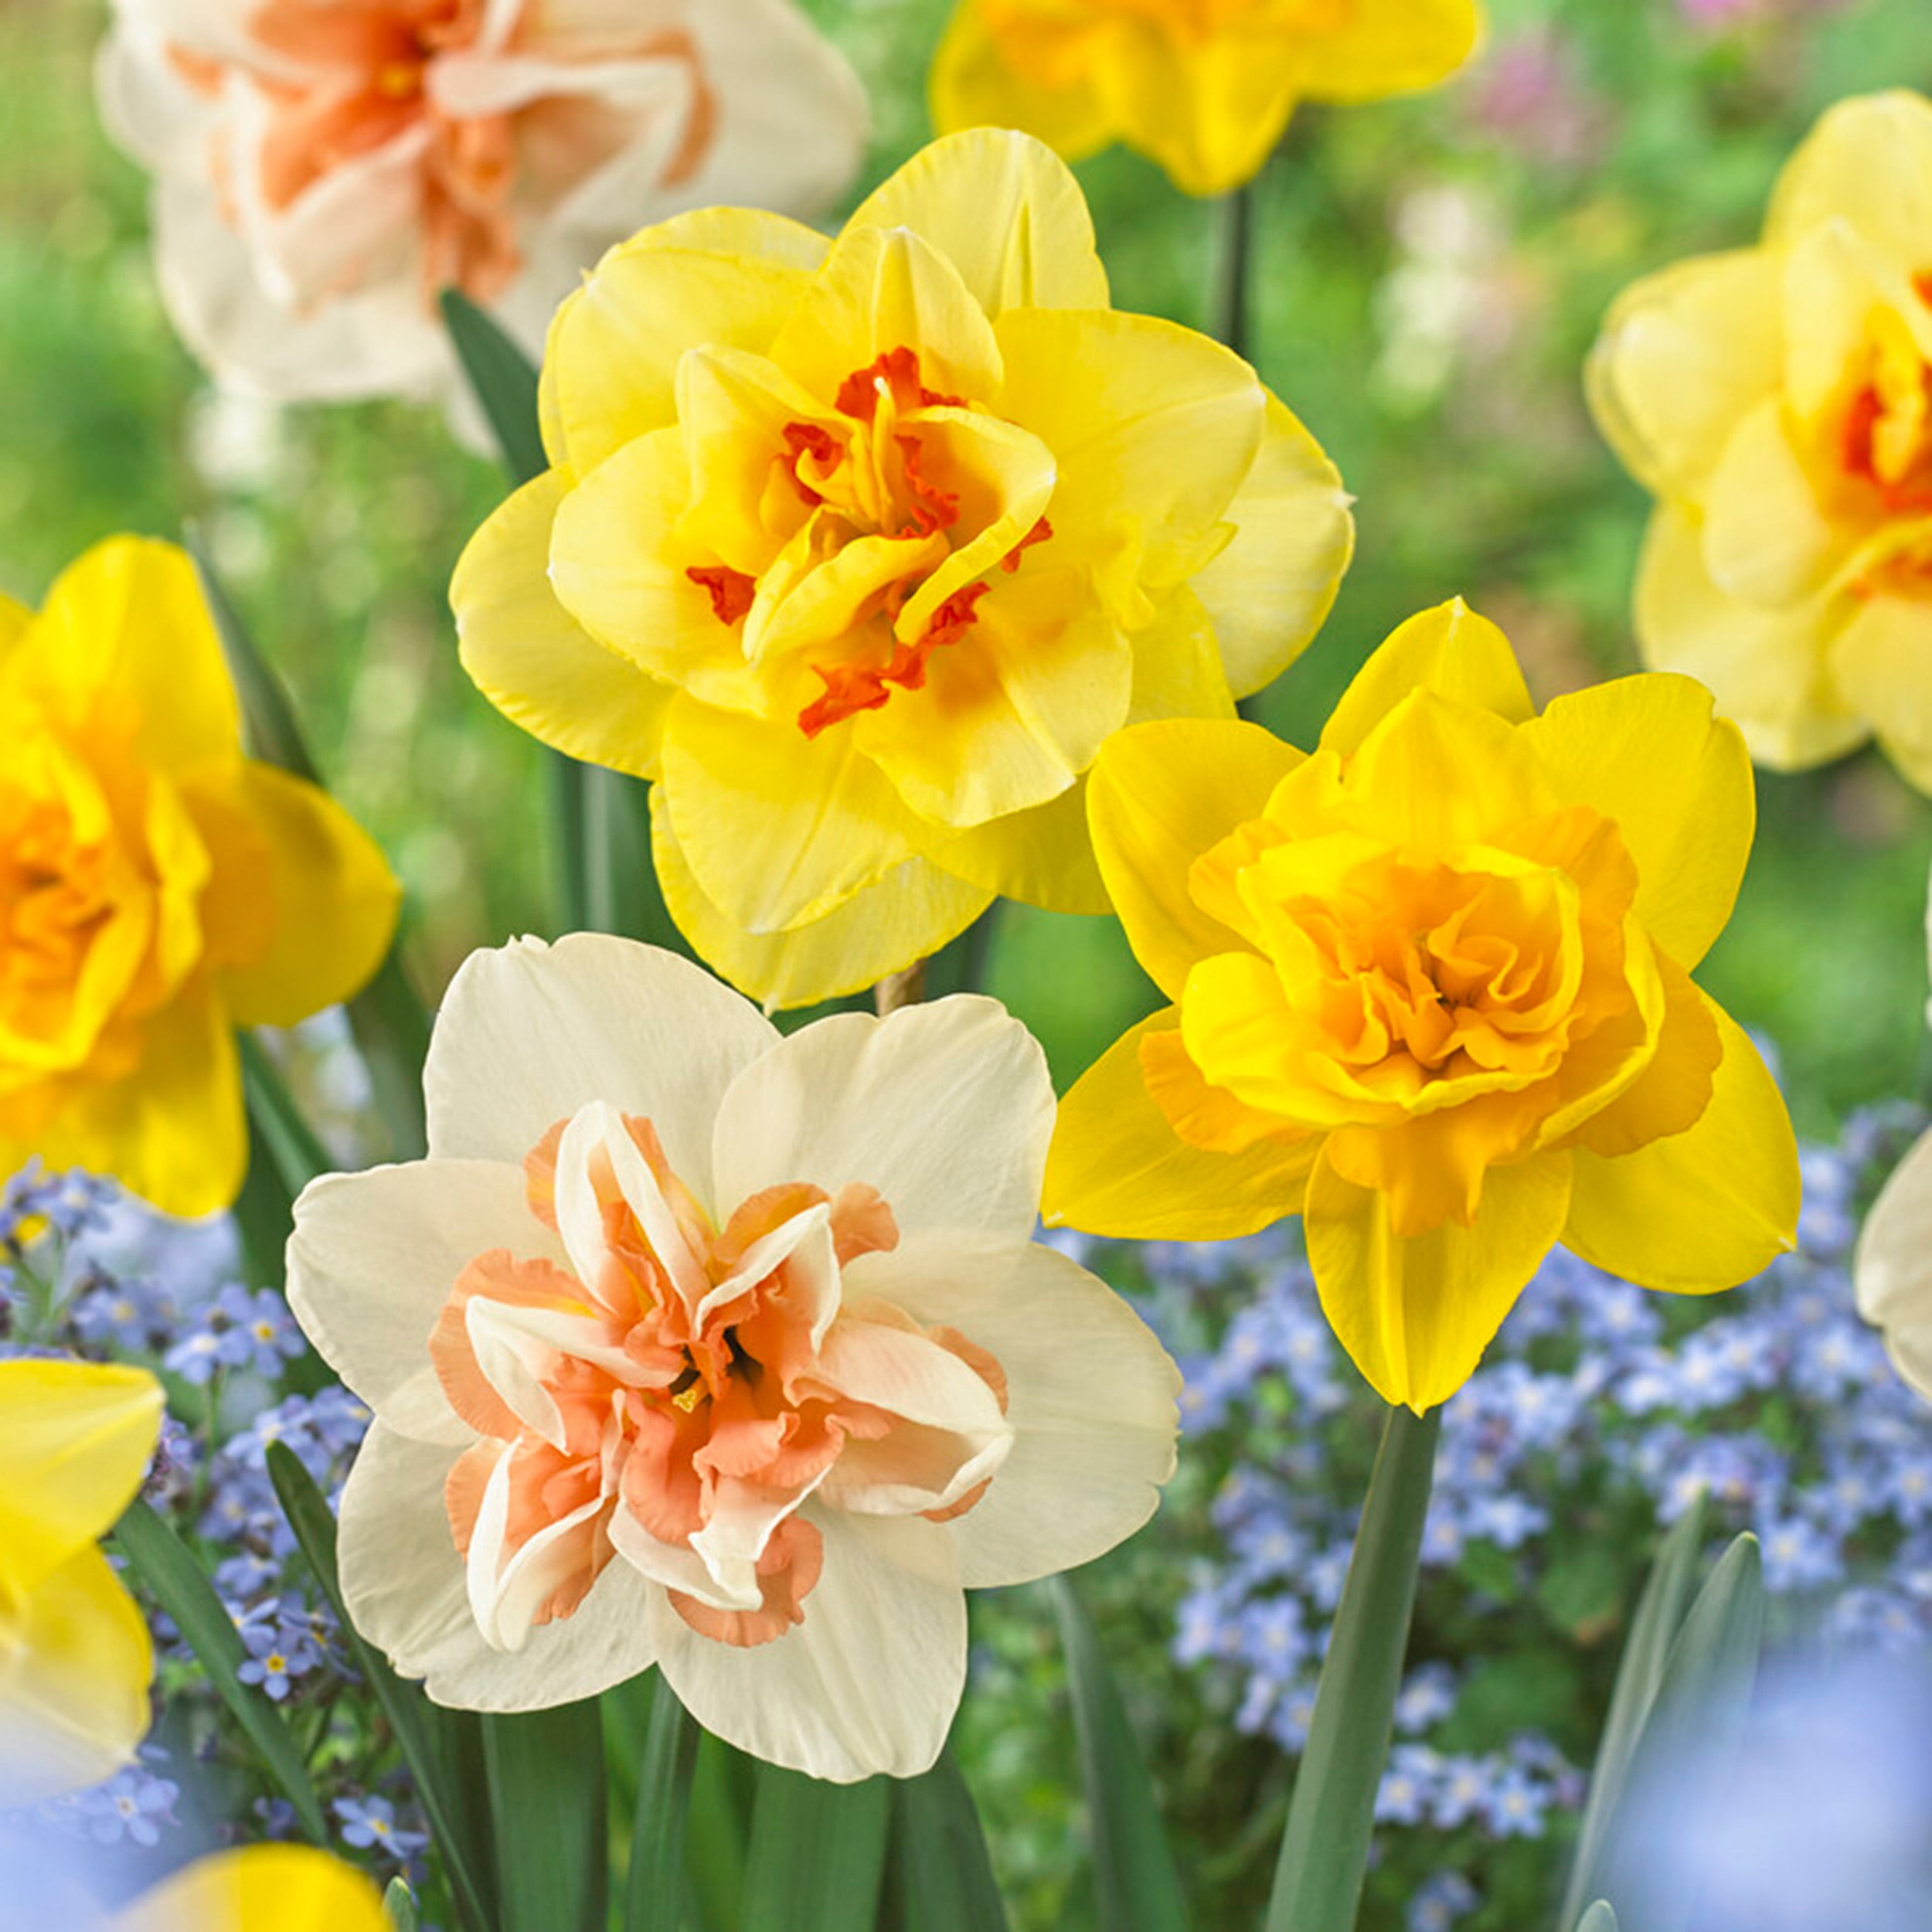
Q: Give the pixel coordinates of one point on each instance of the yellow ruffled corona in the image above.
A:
(157, 888)
(861, 549)
(1432, 992)
(75, 1439)
(1777, 401)
(1205, 87)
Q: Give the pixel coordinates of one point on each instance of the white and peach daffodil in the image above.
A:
(696, 1345)
(323, 167)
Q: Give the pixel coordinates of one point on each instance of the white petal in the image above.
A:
(724, 1585)
(1090, 1395)
(1893, 1268)
(946, 1109)
(527, 1033)
(579, 1219)
(805, 1241)
(504, 1597)
(868, 1683)
(372, 1259)
(406, 1593)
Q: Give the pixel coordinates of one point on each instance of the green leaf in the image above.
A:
(715, 1839)
(1654, 1628)
(421, 1730)
(1324, 1848)
(399, 1906)
(288, 1139)
(1134, 1870)
(658, 1881)
(269, 731)
(1599, 1918)
(265, 1208)
(945, 1875)
(818, 1855)
(549, 1820)
(503, 380)
(188, 1596)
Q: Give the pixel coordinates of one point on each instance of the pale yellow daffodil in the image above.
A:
(157, 888)
(1777, 401)
(862, 549)
(1205, 87)
(75, 1440)
(1432, 992)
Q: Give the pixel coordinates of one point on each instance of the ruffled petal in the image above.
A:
(1449, 651)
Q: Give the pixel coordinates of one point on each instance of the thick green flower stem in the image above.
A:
(1324, 1849)
(1233, 262)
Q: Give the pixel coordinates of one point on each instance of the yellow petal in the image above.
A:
(315, 893)
(777, 828)
(1271, 589)
(1450, 651)
(1044, 856)
(1159, 796)
(75, 1665)
(263, 1888)
(533, 660)
(1391, 46)
(1670, 1095)
(1416, 1313)
(1767, 669)
(1880, 668)
(1684, 355)
(1838, 292)
(75, 1440)
(1705, 1209)
(881, 930)
(1766, 541)
(610, 367)
(126, 625)
(1648, 753)
(1118, 1168)
(14, 620)
(1178, 671)
(1869, 161)
(1004, 210)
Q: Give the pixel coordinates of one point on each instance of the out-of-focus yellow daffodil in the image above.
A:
(1432, 992)
(75, 1439)
(861, 549)
(1204, 86)
(1778, 402)
(264, 1888)
(157, 888)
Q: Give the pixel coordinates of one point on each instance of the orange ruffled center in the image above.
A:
(678, 1394)
(1885, 448)
(889, 498)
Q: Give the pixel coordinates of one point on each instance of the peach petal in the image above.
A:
(788, 1573)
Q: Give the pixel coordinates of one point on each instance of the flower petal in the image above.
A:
(1869, 162)
(1392, 46)
(1415, 1312)
(1893, 1267)
(527, 1033)
(1044, 856)
(868, 1683)
(292, 1887)
(1449, 651)
(1704, 1210)
(1766, 541)
(1878, 662)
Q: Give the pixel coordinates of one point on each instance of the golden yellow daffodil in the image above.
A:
(861, 549)
(1204, 86)
(157, 888)
(1778, 400)
(265, 1887)
(1432, 992)
(75, 1439)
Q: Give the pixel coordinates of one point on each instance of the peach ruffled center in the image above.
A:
(691, 1399)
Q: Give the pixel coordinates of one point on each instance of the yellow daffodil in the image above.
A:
(75, 1439)
(157, 888)
(265, 1887)
(861, 549)
(1431, 992)
(1778, 400)
(1204, 86)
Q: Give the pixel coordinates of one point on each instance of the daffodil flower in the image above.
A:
(262, 1888)
(862, 549)
(695, 1346)
(1431, 991)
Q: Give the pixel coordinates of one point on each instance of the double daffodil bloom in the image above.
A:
(1778, 400)
(1205, 87)
(75, 1440)
(157, 888)
(861, 549)
(1432, 992)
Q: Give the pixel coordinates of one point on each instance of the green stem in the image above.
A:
(1324, 1849)
(1233, 267)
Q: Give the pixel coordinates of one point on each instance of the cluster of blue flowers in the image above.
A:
(1601, 1410)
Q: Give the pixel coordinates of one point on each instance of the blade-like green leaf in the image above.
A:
(1324, 1848)
(716, 1836)
(290, 1141)
(817, 1853)
(549, 1821)
(1134, 1870)
(185, 1593)
(1599, 1918)
(399, 1906)
(658, 1882)
(503, 381)
(265, 1208)
(945, 1875)
(418, 1724)
(269, 729)
(1653, 1629)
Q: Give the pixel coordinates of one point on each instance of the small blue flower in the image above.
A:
(369, 1824)
(133, 1805)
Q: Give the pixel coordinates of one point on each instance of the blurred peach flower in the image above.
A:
(323, 167)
